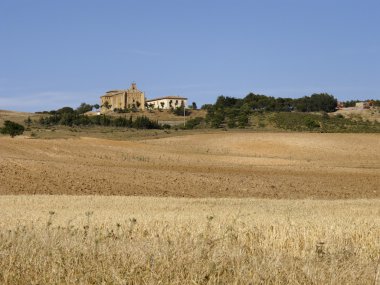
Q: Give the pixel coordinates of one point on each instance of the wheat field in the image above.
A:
(147, 240)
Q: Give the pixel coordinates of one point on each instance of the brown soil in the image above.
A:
(267, 165)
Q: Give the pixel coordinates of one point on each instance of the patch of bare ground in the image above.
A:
(360, 114)
(265, 165)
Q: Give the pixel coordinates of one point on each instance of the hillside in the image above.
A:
(18, 117)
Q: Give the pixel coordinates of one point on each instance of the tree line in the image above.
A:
(69, 117)
(235, 112)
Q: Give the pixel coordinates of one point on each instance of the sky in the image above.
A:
(64, 52)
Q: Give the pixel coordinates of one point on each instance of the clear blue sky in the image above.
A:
(64, 52)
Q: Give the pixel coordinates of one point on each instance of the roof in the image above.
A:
(133, 89)
(167, 97)
(112, 92)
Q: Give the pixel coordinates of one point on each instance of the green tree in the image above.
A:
(107, 105)
(13, 129)
(194, 105)
(243, 120)
(84, 108)
(65, 110)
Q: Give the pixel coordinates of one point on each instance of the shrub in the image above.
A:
(179, 111)
(192, 123)
(145, 123)
(13, 129)
(311, 123)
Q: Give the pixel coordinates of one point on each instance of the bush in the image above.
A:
(179, 111)
(145, 123)
(192, 123)
(311, 123)
(13, 129)
(296, 121)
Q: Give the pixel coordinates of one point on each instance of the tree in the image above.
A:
(243, 120)
(84, 108)
(107, 105)
(65, 110)
(162, 105)
(194, 106)
(206, 107)
(96, 106)
(13, 129)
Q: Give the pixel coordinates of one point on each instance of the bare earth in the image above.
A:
(263, 165)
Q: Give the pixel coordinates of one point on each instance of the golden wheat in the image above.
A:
(135, 240)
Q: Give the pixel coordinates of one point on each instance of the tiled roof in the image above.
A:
(167, 97)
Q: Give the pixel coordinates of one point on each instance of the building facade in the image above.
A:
(168, 102)
(122, 99)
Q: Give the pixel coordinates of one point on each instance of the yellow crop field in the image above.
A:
(146, 240)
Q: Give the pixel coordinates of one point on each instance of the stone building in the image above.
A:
(167, 102)
(122, 99)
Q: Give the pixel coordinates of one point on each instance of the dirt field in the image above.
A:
(265, 165)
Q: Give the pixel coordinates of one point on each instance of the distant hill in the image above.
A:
(18, 117)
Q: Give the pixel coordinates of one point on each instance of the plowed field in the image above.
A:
(265, 165)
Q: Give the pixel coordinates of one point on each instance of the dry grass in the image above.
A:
(136, 240)
(18, 117)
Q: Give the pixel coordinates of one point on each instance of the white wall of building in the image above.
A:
(157, 103)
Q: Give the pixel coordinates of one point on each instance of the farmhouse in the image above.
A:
(167, 102)
(122, 99)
